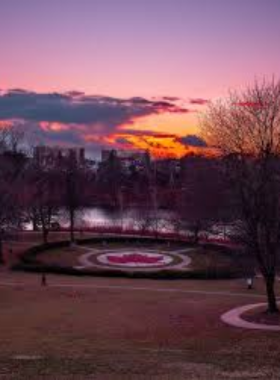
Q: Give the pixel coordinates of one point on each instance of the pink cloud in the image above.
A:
(249, 104)
(199, 101)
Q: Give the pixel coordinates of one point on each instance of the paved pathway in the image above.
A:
(135, 288)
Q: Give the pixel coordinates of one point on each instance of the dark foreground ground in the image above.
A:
(98, 328)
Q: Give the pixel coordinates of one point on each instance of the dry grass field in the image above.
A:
(118, 328)
(104, 328)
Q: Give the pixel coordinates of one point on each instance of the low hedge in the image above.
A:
(32, 252)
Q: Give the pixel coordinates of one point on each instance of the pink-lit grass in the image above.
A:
(86, 331)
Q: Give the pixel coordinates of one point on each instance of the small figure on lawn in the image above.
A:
(43, 280)
(250, 280)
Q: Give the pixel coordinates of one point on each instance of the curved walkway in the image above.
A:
(55, 282)
(234, 318)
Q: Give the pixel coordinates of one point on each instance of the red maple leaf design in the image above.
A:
(134, 258)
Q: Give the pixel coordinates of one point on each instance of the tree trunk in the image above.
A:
(196, 234)
(1, 251)
(72, 223)
(45, 235)
(271, 299)
(34, 224)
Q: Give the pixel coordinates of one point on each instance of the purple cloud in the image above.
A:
(193, 140)
(103, 114)
(75, 118)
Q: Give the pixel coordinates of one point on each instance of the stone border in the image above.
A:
(87, 263)
(234, 318)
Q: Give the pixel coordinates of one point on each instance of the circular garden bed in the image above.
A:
(146, 257)
(260, 315)
(252, 317)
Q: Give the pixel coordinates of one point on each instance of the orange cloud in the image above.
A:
(54, 126)
(160, 146)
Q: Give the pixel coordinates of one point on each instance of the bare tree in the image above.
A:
(246, 129)
(143, 220)
(12, 163)
(42, 196)
(110, 179)
(74, 179)
(203, 191)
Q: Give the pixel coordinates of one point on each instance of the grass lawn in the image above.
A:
(106, 328)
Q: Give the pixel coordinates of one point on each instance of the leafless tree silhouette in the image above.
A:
(12, 163)
(246, 129)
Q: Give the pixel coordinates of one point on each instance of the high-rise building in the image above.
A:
(128, 158)
(54, 155)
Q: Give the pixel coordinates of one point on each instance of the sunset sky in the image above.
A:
(129, 73)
